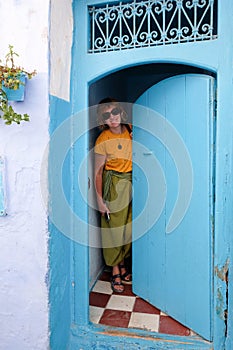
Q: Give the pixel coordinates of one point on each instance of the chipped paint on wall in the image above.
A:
(220, 307)
(222, 272)
(222, 294)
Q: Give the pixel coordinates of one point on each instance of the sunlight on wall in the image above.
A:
(26, 29)
(60, 46)
(24, 231)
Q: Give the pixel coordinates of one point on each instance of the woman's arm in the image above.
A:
(99, 167)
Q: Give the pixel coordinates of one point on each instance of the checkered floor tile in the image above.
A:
(129, 311)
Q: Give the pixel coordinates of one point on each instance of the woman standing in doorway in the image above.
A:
(113, 181)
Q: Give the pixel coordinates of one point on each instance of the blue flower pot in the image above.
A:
(16, 95)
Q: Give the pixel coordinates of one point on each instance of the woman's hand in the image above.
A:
(102, 207)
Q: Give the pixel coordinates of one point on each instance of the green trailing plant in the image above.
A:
(8, 113)
(10, 77)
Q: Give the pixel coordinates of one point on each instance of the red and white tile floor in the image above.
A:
(129, 311)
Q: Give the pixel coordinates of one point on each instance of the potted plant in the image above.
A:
(12, 79)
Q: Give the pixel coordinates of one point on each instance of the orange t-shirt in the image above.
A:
(117, 148)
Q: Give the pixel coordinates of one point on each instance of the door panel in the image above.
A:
(173, 271)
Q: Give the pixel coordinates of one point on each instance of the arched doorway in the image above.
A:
(132, 85)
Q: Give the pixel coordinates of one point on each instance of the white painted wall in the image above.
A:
(23, 232)
(61, 31)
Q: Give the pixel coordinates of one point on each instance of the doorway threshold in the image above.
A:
(127, 310)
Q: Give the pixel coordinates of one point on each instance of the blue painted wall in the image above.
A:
(60, 280)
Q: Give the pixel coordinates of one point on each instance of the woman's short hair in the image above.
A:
(107, 102)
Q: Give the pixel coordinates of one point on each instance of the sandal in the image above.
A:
(114, 283)
(124, 276)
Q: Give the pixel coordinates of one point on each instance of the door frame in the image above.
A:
(81, 255)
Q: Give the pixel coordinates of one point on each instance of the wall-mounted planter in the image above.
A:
(18, 94)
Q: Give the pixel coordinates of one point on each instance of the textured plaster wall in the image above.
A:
(24, 232)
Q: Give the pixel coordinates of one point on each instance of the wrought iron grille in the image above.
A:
(134, 24)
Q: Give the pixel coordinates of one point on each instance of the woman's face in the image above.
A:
(112, 116)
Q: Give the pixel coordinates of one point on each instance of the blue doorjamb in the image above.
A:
(69, 323)
(60, 266)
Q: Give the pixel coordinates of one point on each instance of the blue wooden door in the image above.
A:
(173, 182)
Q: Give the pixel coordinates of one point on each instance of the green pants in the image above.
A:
(117, 233)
